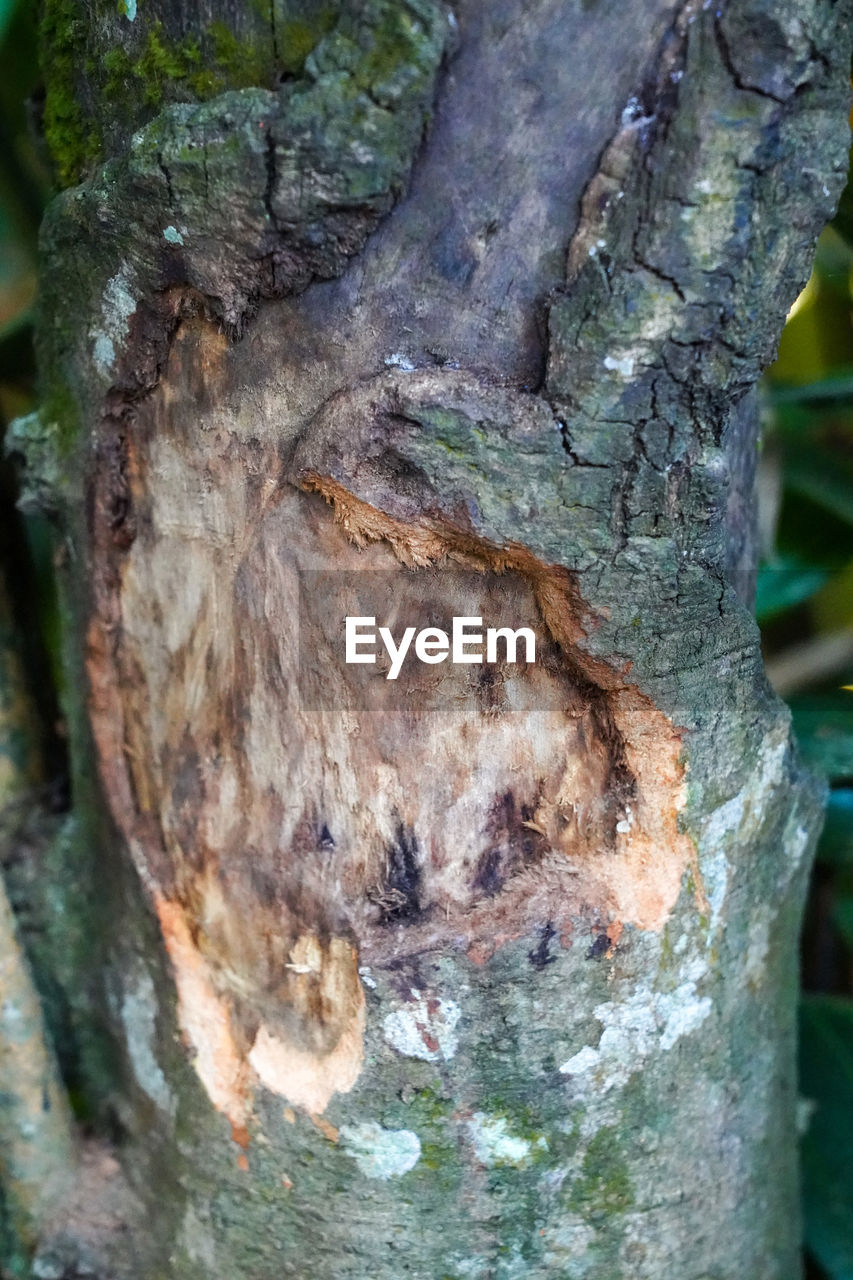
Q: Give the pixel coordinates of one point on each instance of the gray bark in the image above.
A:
(467, 978)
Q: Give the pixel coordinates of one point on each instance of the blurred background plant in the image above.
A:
(804, 601)
(25, 187)
(804, 604)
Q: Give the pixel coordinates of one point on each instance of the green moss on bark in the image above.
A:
(604, 1186)
(191, 69)
(71, 137)
(106, 77)
(298, 38)
(101, 85)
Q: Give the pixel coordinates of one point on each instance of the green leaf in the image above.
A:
(785, 583)
(811, 534)
(826, 1078)
(833, 390)
(836, 841)
(842, 918)
(824, 727)
(7, 10)
(824, 476)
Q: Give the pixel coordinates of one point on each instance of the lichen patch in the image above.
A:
(496, 1146)
(381, 1153)
(424, 1028)
(634, 1028)
(139, 1019)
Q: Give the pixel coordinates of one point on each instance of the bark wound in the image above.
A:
(235, 744)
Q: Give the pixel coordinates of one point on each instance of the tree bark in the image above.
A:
(390, 310)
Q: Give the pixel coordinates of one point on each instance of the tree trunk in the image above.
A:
(386, 310)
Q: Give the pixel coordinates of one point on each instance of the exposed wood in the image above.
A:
(483, 971)
(273, 798)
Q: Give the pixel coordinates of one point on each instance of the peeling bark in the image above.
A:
(487, 971)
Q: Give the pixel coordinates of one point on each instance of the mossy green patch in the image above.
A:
(431, 1117)
(71, 137)
(523, 1117)
(193, 68)
(604, 1185)
(104, 80)
(61, 412)
(395, 56)
(296, 39)
(90, 91)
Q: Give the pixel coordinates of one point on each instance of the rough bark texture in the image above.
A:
(483, 975)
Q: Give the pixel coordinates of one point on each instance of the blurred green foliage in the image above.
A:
(804, 603)
(804, 599)
(23, 185)
(826, 1029)
(26, 544)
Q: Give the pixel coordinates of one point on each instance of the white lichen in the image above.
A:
(139, 1018)
(469, 1268)
(689, 1011)
(758, 945)
(366, 978)
(623, 365)
(117, 306)
(632, 113)
(381, 1153)
(494, 1145)
(645, 1022)
(399, 361)
(173, 235)
(715, 876)
(103, 352)
(198, 1239)
(425, 1028)
(118, 303)
(738, 819)
(569, 1240)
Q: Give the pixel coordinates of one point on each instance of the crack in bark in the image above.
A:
(273, 32)
(728, 62)
(168, 177)
(271, 164)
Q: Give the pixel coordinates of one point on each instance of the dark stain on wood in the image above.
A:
(541, 956)
(600, 947)
(398, 898)
(489, 878)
